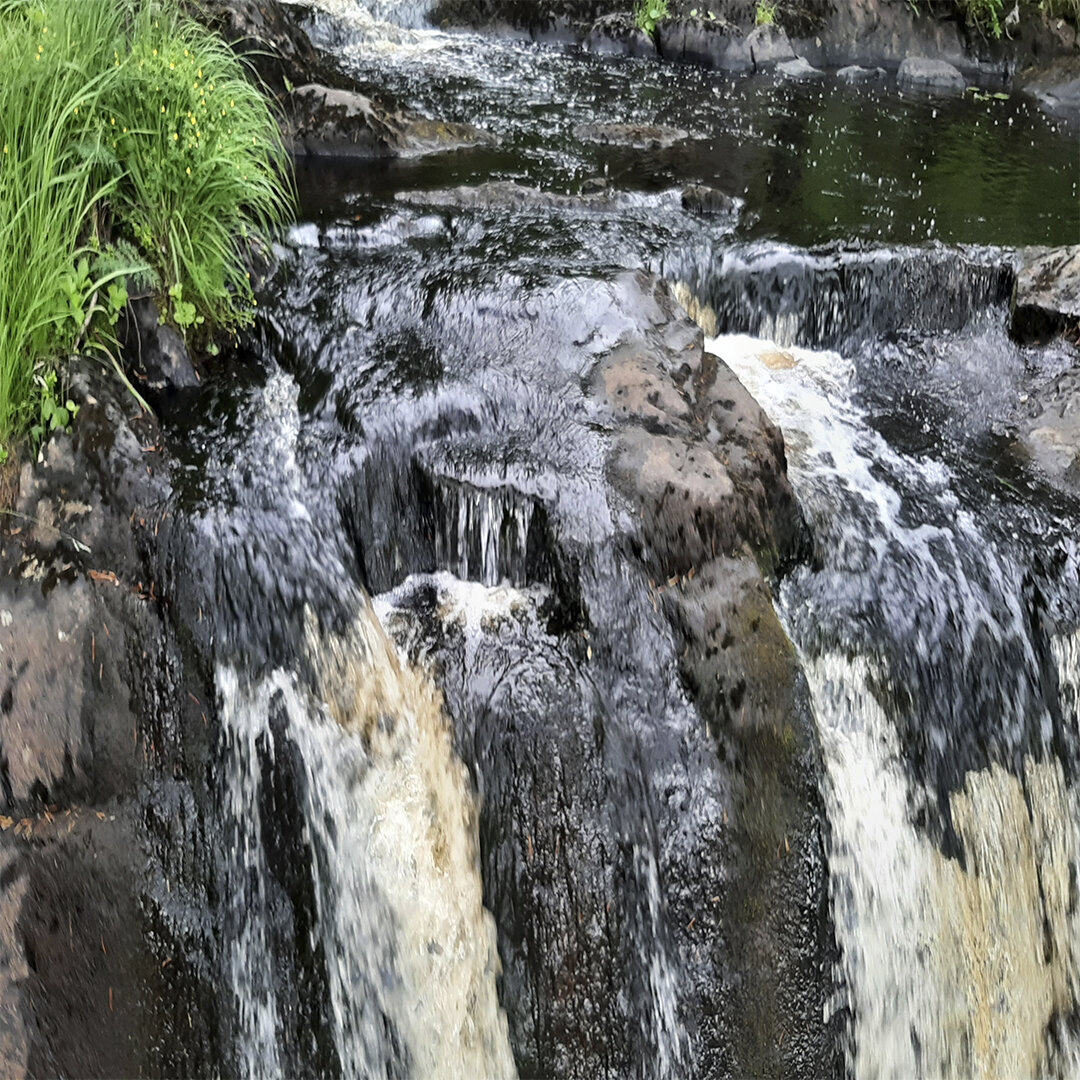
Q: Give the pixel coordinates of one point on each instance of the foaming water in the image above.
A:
(389, 834)
(955, 834)
(950, 970)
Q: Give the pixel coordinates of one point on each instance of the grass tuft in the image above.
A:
(133, 149)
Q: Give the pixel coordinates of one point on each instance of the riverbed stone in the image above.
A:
(634, 136)
(1046, 300)
(1050, 433)
(928, 73)
(798, 70)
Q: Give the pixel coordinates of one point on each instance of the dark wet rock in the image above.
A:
(270, 35)
(799, 70)
(712, 44)
(769, 46)
(855, 75)
(702, 199)
(92, 705)
(156, 352)
(635, 136)
(1055, 86)
(619, 35)
(573, 18)
(1047, 297)
(926, 73)
(590, 811)
(325, 122)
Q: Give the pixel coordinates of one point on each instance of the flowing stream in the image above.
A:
(470, 811)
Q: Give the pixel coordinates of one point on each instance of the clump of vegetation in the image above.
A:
(134, 152)
(991, 19)
(648, 13)
(764, 13)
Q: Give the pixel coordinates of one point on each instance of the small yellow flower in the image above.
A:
(76, 110)
(175, 136)
(189, 170)
(155, 52)
(162, 108)
(5, 148)
(200, 73)
(172, 66)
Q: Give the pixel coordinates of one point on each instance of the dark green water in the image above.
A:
(813, 163)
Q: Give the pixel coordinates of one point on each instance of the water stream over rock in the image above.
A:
(637, 643)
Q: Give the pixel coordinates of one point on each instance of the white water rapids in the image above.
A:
(949, 969)
(390, 821)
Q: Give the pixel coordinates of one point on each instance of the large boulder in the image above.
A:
(104, 973)
(619, 35)
(1046, 300)
(921, 72)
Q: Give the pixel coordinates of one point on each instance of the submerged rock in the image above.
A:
(635, 136)
(702, 199)
(799, 70)
(1047, 297)
(854, 74)
(921, 71)
(324, 122)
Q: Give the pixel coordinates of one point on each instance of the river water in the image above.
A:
(466, 826)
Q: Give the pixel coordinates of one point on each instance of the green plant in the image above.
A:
(203, 166)
(765, 13)
(52, 415)
(648, 13)
(52, 173)
(134, 152)
(983, 15)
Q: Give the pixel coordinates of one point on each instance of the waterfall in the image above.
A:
(951, 971)
(389, 832)
(955, 833)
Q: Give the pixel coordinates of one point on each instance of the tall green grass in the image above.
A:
(123, 125)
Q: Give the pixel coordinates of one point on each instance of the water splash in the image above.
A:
(389, 821)
(950, 970)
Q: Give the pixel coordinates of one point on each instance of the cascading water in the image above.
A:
(388, 835)
(955, 822)
(425, 418)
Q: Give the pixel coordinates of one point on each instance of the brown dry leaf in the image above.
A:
(6, 822)
(103, 575)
